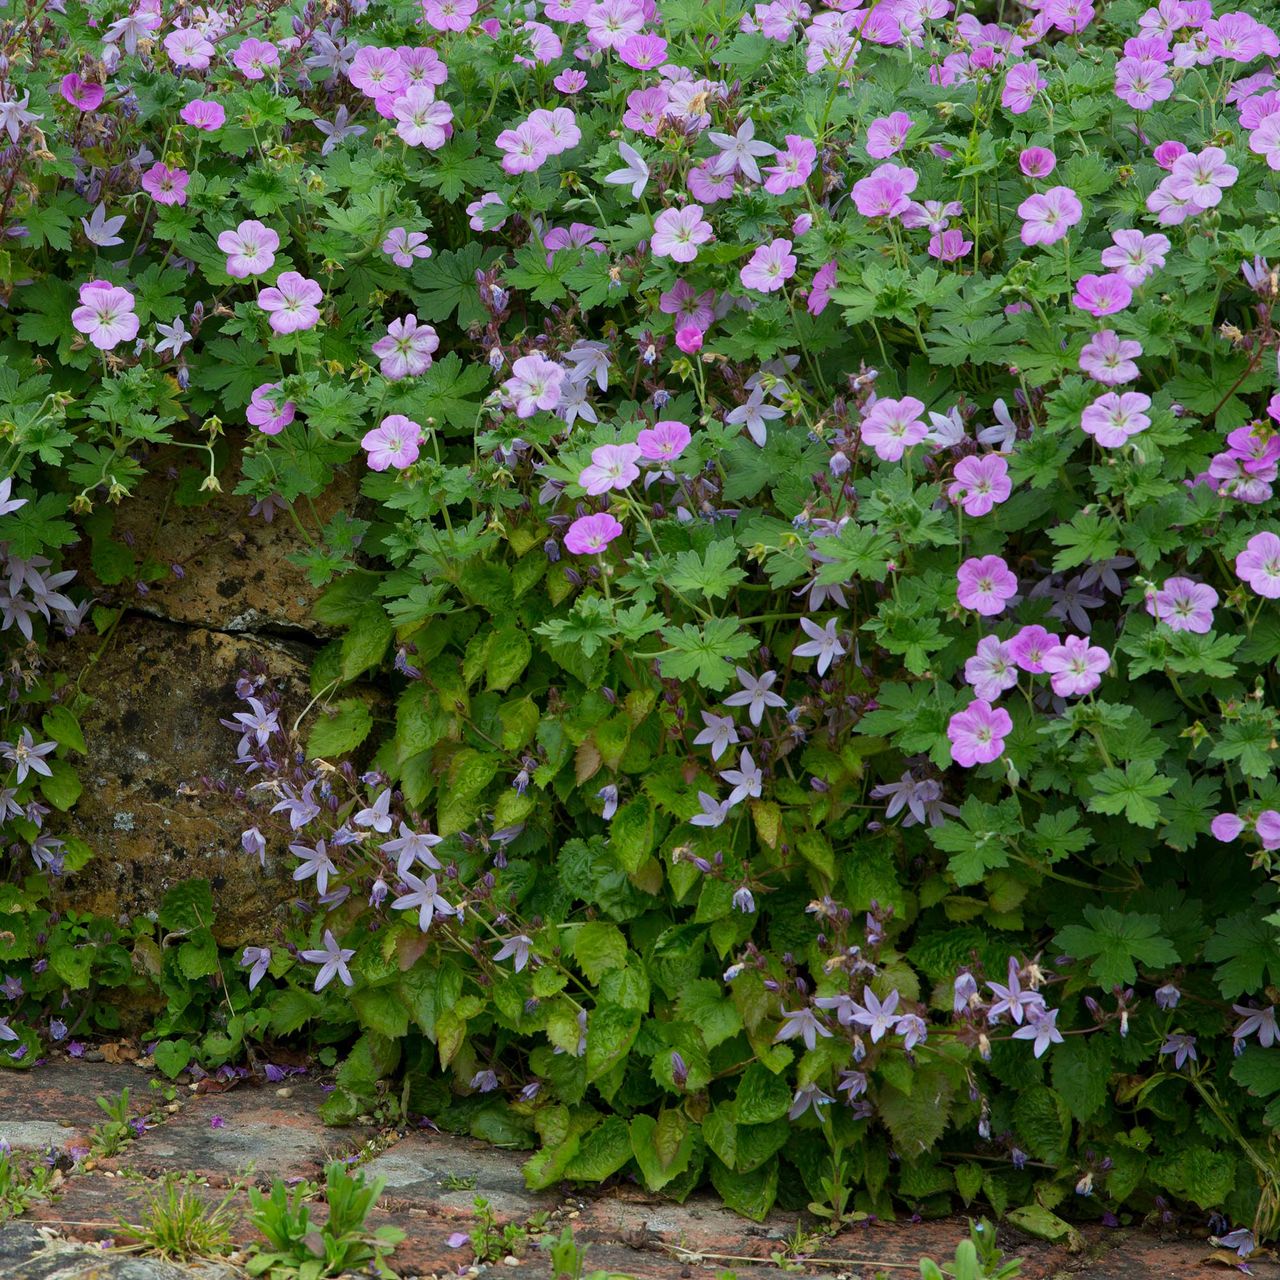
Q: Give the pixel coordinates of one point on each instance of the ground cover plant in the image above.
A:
(806, 712)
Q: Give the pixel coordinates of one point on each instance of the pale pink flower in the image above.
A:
(265, 413)
(1142, 82)
(293, 303)
(887, 135)
(1102, 295)
(770, 267)
(105, 315)
(250, 249)
(611, 23)
(1037, 162)
(677, 233)
(590, 535)
(403, 246)
(254, 58)
(949, 246)
(1030, 647)
(980, 483)
(406, 349)
(885, 192)
(559, 128)
(165, 185)
(1184, 605)
(1134, 256)
(613, 466)
(1076, 667)
(1258, 564)
(1115, 416)
(204, 114)
(985, 584)
(664, 441)
(1226, 827)
(535, 384)
(977, 733)
(378, 72)
(819, 297)
(392, 443)
(992, 668)
(421, 120)
(891, 427)
(1050, 215)
(1109, 359)
(1201, 178)
(1022, 82)
(188, 47)
(449, 15)
(792, 166)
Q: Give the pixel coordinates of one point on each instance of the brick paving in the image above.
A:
(431, 1184)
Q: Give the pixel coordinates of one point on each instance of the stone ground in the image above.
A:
(432, 1181)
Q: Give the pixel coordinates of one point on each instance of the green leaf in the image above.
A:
(750, 1194)
(611, 1031)
(705, 653)
(916, 1120)
(380, 1009)
(1043, 1123)
(172, 1057)
(339, 729)
(366, 642)
(63, 787)
(1246, 949)
(598, 947)
(712, 575)
(761, 1096)
(508, 655)
(981, 840)
(187, 906)
(1081, 1070)
(1131, 792)
(663, 1147)
(1115, 941)
(61, 725)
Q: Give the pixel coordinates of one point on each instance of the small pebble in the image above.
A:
(511, 1260)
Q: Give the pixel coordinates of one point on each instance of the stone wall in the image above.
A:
(162, 683)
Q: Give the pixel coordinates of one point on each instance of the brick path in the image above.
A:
(431, 1184)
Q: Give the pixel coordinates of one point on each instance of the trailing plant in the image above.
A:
(804, 713)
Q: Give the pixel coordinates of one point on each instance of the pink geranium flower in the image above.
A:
(105, 315)
(523, 148)
(985, 584)
(1200, 178)
(1037, 162)
(792, 165)
(1184, 605)
(949, 246)
(677, 233)
(885, 192)
(535, 384)
(250, 249)
(1258, 564)
(165, 185)
(1167, 152)
(770, 267)
(392, 443)
(189, 47)
(293, 304)
(891, 427)
(819, 297)
(420, 120)
(689, 339)
(977, 733)
(449, 15)
(81, 94)
(378, 72)
(403, 246)
(1112, 418)
(664, 441)
(1075, 667)
(1050, 215)
(1030, 647)
(255, 58)
(613, 466)
(992, 669)
(1102, 295)
(1226, 827)
(1022, 82)
(204, 114)
(1134, 256)
(980, 483)
(1142, 82)
(1109, 359)
(590, 535)
(887, 135)
(264, 413)
(406, 349)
